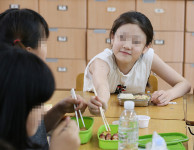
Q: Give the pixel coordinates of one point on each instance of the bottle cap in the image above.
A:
(129, 105)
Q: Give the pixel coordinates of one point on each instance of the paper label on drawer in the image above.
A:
(111, 9)
(159, 10)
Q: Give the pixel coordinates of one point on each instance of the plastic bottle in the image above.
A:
(128, 128)
(158, 143)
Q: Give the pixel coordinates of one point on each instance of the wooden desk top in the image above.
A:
(171, 111)
(160, 126)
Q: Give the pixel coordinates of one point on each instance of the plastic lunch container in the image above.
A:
(108, 144)
(85, 135)
(139, 99)
(173, 140)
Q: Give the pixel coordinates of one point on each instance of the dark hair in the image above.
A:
(24, 24)
(137, 18)
(5, 145)
(25, 82)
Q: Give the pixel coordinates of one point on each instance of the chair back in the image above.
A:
(153, 82)
(80, 82)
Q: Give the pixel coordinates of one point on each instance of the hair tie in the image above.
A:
(16, 40)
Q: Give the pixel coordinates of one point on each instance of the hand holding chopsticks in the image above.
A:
(75, 97)
(102, 114)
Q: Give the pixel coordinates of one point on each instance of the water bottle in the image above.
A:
(128, 128)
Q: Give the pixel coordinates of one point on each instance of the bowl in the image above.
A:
(108, 144)
(85, 135)
(143, 121)
(139, 99)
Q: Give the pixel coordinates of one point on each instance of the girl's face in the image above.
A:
(41, 51)
(128, 43)
(34, 120)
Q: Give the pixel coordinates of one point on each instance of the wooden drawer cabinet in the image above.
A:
(162, 85)
(67, 43)
(189, 47)
(189, 15)
(189, 73)
(169, 46)
(102, 13)
(66, 71)
(165, 15)
(64, 13)
(6, 4)
(97, 41)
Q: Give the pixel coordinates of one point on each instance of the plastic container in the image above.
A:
(143, 121)
(108, 144)
(85, 135)
(138, 99)
(170, 138)
(128, 128)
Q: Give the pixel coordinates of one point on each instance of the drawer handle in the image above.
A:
(62, 69)
(192, 65)
(62, 7)
(107, 40)
(192, 33)
(159, 10)
(159, 42)
(12, 6)
(51, 60)
(149, 1)
(62, 39)
(111, 9)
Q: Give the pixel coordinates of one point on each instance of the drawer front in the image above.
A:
(189, 73)
(97, 41)
(102, 13)
(162, 85)
(189, 45)
(164, 15)
(64, 13)
(67, 43)
(66, 71)
(6, 4)
(189, 16)
(169, 46)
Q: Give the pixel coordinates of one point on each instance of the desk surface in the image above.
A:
(171, 111)
(160, 126)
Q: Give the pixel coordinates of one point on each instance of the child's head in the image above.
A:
(25, 83)
(137, 18)
(24, 28)
(131, 35)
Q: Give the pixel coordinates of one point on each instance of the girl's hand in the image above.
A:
(67, 104)
(161, 98)
(65, 136)
(94, 103)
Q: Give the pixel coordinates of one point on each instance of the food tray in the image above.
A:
(143, 99)
(108, 144)
(86, 135)
(170, 138)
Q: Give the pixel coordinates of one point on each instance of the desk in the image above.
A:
(165, 119)
(171, 111)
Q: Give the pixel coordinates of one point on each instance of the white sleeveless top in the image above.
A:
(135, 81)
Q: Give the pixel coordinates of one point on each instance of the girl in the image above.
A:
(28, 30)
(129, 63)
(21, 96)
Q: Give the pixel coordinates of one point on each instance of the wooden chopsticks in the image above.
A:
(107, 127)
(75, 97)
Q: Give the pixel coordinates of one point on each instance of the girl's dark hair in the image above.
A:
(25, 82)
(137, 18)
(24, 24)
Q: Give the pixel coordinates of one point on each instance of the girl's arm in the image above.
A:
(99, 70)
(180, 86)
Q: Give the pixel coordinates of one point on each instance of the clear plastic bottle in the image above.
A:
(128, 128)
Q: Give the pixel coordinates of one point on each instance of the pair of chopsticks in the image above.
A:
(107, 127)
(76, 114)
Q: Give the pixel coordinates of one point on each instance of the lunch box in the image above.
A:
(143, 99)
